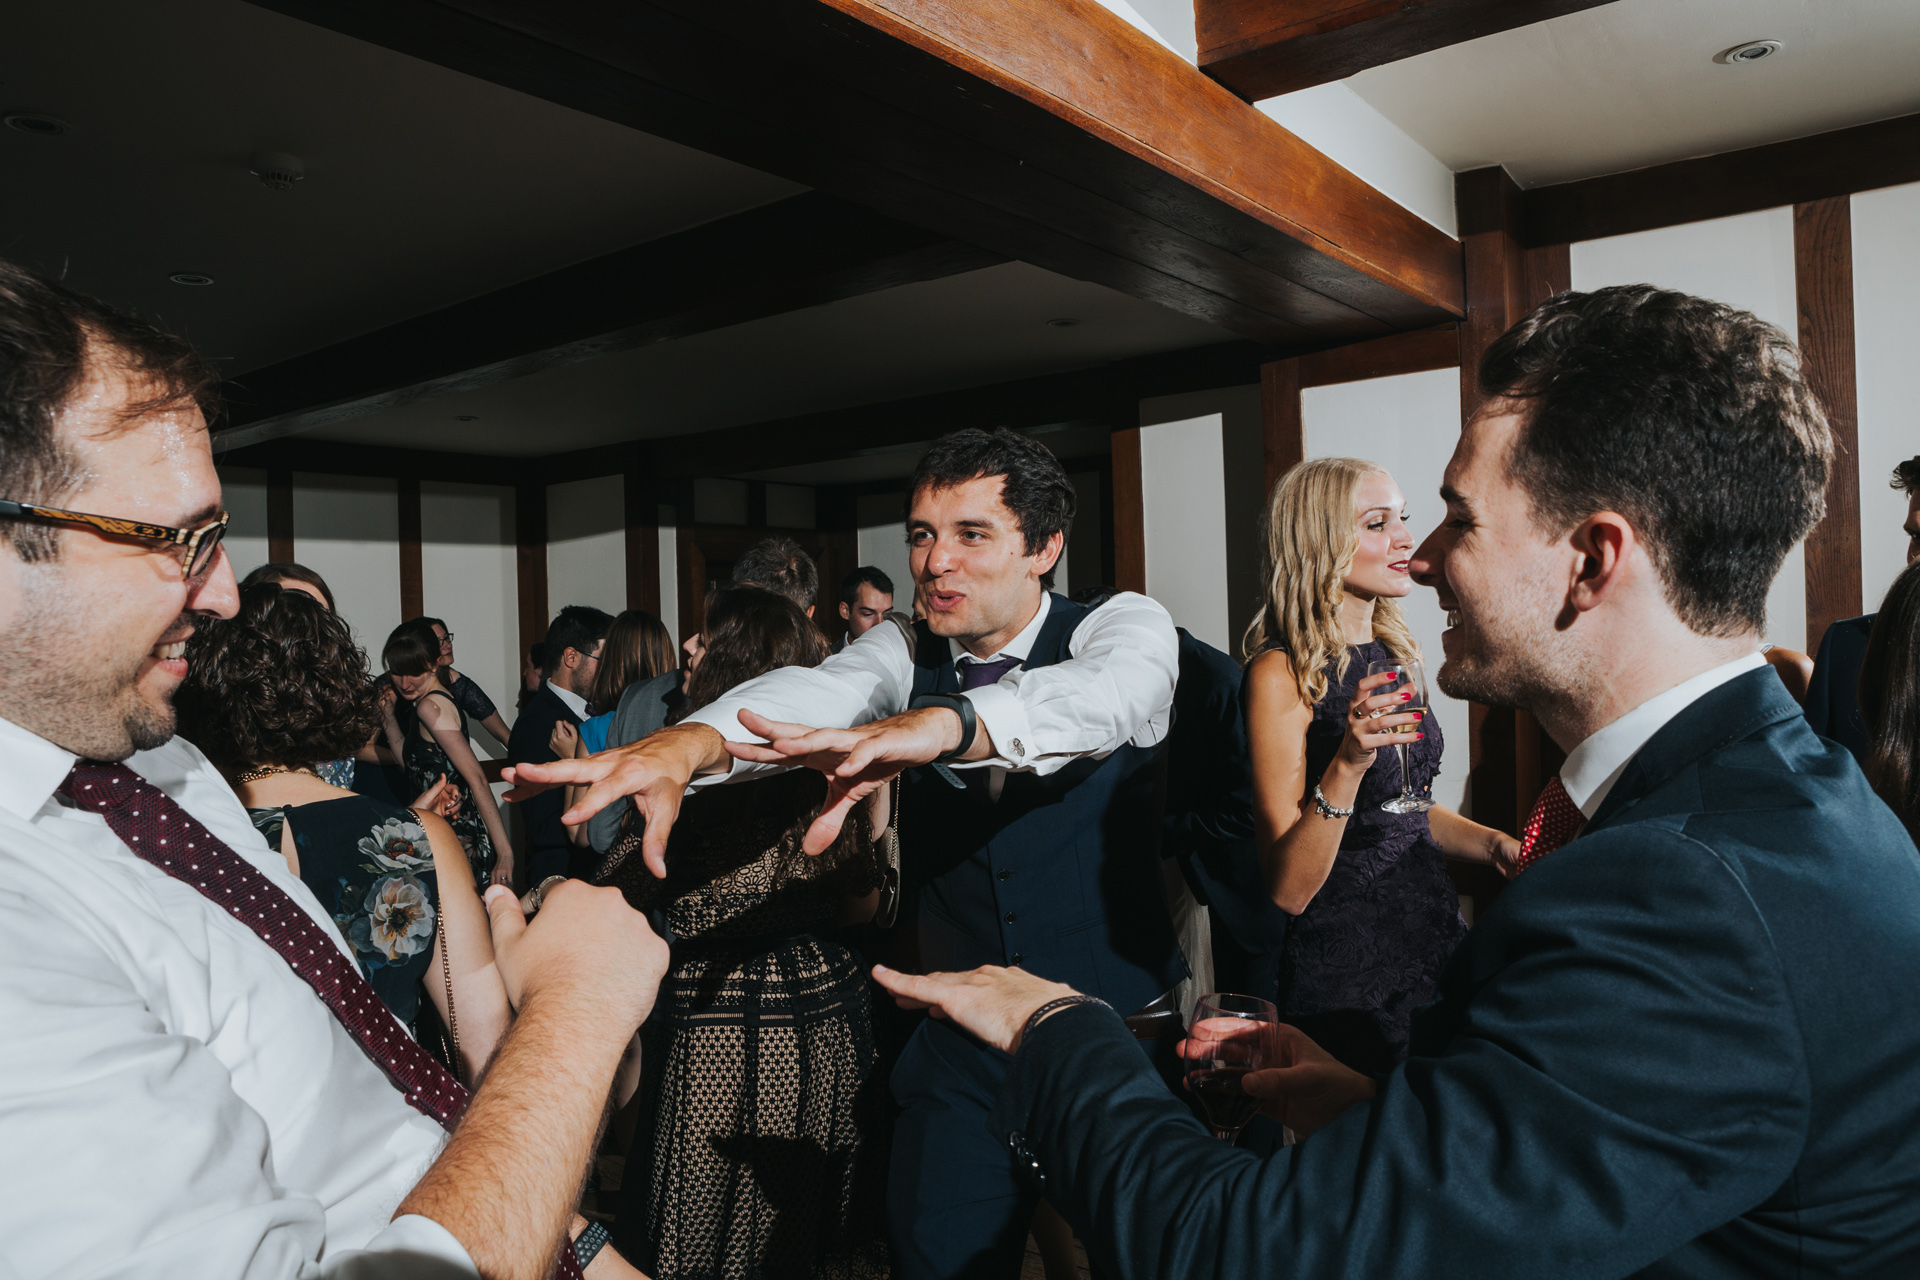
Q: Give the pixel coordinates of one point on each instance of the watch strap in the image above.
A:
(961, 706)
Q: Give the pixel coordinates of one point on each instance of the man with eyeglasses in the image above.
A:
(573, 652)
(194, 1077)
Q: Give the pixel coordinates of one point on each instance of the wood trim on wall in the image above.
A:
(412, 576)
(280, 514)
(1283, 432)
(1129, 513)
(1823, 281)
(1421, 351)
(642, 521)
(530, 562)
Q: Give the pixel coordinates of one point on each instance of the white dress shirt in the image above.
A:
(1115, 688)
(573, 701)
(1596, 764)
(174, 1099)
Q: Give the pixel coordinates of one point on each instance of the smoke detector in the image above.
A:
(277, 170)
(1752, 51)
(37, 124)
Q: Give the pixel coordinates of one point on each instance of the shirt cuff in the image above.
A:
(1005, 717)
(411, 1246)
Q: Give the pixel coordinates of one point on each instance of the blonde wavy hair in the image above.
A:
(1311, 540)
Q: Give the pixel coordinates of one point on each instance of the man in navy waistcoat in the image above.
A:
(1682, 1043)
(1027, 727)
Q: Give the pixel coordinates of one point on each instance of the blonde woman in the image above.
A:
(1374, 916)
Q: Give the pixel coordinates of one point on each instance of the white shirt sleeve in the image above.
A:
(870, 679)
(1115, 688)
(127, 1150)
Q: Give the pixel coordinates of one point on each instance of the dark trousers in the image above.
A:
(956, 1207)
(542, 863)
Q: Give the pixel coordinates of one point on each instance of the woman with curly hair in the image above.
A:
(763, 1156)
(1374, 915)
(267, 694)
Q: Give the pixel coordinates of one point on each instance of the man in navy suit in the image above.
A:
(573, 649)
(1683, 1042)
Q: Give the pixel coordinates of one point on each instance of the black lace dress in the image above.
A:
(1368, 949)
(763, 1158)
(426, 761)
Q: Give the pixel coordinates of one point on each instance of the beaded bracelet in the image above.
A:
(1053, 1006)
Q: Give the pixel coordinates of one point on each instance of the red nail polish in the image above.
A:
(1406, 697)
(1418, 736)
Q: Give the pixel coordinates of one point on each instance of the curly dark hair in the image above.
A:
(281, 682)
(1033, 484)
(750, 631)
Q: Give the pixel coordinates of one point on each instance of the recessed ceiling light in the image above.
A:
(466, 417)
(1751, 51)
(39, 125)
(1062, 322)
(197, 279)
(276, 170)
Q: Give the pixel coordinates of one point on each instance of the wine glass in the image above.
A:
(1231, 1035)
(1408, 677)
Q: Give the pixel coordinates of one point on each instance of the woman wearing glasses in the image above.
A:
(436, 743)
(464, 689)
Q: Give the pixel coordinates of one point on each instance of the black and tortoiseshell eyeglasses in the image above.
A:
(193, 548)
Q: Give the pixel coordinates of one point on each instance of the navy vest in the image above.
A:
(1060, 877)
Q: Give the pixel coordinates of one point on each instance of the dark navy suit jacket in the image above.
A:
(1833, 692)
(1684, 1045)
(527, 744)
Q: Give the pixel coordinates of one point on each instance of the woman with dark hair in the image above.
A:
(763, 1156)
(267, 693)
(463, 689)
(1890, 699)
(435, 743)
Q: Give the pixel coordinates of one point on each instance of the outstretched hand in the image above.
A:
(655, 771)
(989, 1002)
(855, 761)
(1306, 1088)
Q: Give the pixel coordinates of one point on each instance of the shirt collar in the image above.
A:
(574, 702)
(34, 770)
(1018, 647)
(1597, 763)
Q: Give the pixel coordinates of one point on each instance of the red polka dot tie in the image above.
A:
(160, 831)
(1554, 821)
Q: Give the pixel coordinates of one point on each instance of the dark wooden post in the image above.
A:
(642, 519)
(1283, 432)
(1129, 513)
(279, 515)
(1823, 275)
(412, 576)
(530, 560)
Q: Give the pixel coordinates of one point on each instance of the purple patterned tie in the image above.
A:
(160, 831)
(975, 674)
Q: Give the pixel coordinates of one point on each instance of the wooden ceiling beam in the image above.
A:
(1051, 131)
(1839, 163)
(1264, 48)
(795, 253)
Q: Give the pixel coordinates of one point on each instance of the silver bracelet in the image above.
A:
(1326, 809)
(1039, 1015)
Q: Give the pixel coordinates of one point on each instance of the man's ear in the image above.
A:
(844, 613)
(1603, 543)
(1049, 555)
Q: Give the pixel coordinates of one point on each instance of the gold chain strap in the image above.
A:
(446, 974)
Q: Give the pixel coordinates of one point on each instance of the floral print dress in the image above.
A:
(370, 865)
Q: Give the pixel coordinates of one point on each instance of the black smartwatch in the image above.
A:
(960, 706)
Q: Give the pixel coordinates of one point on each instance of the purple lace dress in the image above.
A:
(1368, 949)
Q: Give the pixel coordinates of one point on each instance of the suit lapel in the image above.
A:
(1737, 709)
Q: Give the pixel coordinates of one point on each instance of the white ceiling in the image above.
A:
(1634, 83)
(423, 186)
(966, 330)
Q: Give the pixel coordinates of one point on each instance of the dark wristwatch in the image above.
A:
(960, 706)
(588, 1244)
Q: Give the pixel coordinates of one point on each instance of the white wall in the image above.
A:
(468, 578)
(347, 530)
(1350, 131)
(1407, 424)
(670, 570)
(882, 542)
(1746, 262)
(1886, 280)
(243, 492)
(1183, 491)
(587, 544)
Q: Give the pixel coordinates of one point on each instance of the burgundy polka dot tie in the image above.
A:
(1553, 822)
(160, 831)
